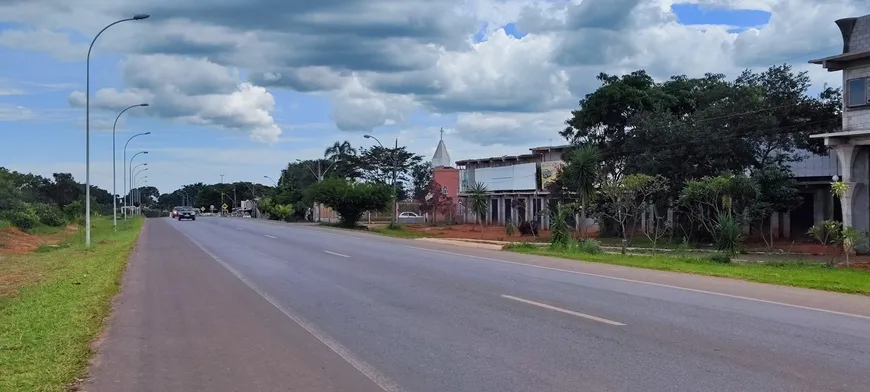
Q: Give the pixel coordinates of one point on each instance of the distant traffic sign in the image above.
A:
(202, 209)
(225, 206)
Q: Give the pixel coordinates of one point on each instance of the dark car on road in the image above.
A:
(185, 213)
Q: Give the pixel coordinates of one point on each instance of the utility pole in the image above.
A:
(222, 195)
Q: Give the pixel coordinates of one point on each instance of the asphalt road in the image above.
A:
(241, 305)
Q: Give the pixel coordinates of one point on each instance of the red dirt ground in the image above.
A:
(491, 233)
(14, 241)
(497, 233)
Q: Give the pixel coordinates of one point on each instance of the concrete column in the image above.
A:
(529, 207)
(501, 205)
(774, 225)
(786, 225)
(819, 213)
(846, 155)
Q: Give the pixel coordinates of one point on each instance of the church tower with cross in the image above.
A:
(445, 174)
(441, 157)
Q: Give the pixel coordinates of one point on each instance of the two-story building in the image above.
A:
(850, 145)
(516, 185)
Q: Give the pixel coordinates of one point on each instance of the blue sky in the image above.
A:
(41, 132)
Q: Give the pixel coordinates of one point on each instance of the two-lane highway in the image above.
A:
(397, 316)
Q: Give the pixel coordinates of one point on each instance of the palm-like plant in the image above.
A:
(478, 201)
(339, 150)
(581, 175)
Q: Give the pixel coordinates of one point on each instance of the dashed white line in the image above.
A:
(239, 228)
(740, 297)
(271, 236)
(335, 254)
(566, 311)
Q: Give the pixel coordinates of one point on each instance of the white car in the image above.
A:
(409, 215)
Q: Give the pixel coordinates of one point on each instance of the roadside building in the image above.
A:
(850, 145)
(516, 185)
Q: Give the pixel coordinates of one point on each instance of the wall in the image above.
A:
(449, 178)
(856, 119)
(508, 178)
(860, 40)
(816, 166)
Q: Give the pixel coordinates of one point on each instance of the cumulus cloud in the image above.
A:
(377, 61)
(194, 91)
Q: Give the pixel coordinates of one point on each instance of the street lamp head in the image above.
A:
(144, 104)
(141, 16)
(144, 152)
(147, 133)
(367, 136)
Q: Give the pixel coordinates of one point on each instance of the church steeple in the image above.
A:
(441, 157)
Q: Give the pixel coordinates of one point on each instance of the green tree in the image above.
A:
(422, 178)
(580, 176)
(711, 197)
(776, 192)
(625, 199)
(350, 200)
(478, 202)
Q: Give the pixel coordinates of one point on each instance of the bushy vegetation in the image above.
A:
(705, 159)
(351, 200)
(28, 201)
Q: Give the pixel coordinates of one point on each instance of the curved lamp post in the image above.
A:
(126, 177)
(139, 183)
(88, 126)
(136, 181)
(273, 181)
(114, 160)
(131, 175)
(395, 189)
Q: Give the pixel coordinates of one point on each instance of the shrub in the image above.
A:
(350, 199)
(589, 246)
(729, 233)
(23, 218)
(519, 246)
(561, 232)
(509, 229)
(74, 212)
(49, 215)
(720, 258)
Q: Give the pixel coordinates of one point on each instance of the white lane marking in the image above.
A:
(367, 370)
(239, 228)
(335, 254)
(272, 237)
(566, 311)
(859, 316)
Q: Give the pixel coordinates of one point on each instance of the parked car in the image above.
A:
(409, 215)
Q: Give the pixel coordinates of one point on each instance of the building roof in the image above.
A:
(536, 152)
(441, 157)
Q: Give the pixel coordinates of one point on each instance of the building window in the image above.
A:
(856, 93)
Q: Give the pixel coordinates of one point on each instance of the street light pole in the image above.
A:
(222, 195)
(395, 188)
(88, 126)
(131, 175)
(273, 181)
(126, 177)
(138, 191)
(114, 165)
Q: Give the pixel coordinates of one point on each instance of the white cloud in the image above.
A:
(380, 62)
(193, 91)
(15, 113)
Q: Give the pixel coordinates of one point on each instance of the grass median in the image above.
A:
(785, 273)
(53, 303)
